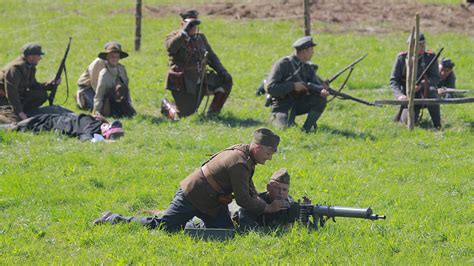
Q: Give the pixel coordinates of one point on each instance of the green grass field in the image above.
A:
(52, 187)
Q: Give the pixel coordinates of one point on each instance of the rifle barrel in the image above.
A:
(335, 76)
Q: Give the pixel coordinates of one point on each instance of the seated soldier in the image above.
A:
(84, 127)
(447, 77)
(103, 87)
(18, 85)
(277, 189)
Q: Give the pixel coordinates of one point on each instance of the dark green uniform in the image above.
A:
(19, 88)
(286, 105)
(398, 83)
(249, 220)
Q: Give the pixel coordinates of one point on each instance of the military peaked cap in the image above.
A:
(447, 63)
(281, 176)
(266, 137)
(189, 14)
(31, 48)
(303, 43)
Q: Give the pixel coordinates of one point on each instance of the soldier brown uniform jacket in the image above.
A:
(232, 169)
(398, 83)
(19, 88)
(185, 60)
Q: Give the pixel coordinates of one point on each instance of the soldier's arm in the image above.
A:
(396, 77)
(240, 181)
(12, 81)
(277, 85)
(451, 81)
(212, 58)
(174, 41)
(100, 93)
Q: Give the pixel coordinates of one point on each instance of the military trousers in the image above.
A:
(31, 99)
(188, 103)
(433, 110)
(178, 213)
(284, 111)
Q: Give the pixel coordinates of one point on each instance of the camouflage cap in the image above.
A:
(189, 14)
(112, 47)
(447, 63)
(281, 176)
(266, 137)
(303, 43)
(31, 48)
(420, 39)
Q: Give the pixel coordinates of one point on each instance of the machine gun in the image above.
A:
(322, 213)
(62, 67)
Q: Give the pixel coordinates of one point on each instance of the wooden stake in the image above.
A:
(138, 25)
(307, 20)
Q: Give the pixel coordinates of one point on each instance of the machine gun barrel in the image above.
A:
(337, 211)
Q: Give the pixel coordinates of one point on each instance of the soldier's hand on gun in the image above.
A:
(55, 82)
(402, 98)
(325, 91)
(300, 88)
(276, 206)
(442, 91)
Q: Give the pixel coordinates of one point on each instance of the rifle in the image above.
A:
(62, 67)
(203, 66)
(322, 213)
(337, 93)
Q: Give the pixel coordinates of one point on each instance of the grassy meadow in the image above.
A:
(52, 187)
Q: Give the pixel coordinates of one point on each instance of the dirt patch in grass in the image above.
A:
(366, 16)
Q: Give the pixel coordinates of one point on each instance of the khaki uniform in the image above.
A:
(185, 60)
(102, 79)
(19, 87)
(232, 169)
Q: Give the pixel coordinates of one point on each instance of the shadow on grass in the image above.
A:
(153, 119)
(346, 133)
(231, 120)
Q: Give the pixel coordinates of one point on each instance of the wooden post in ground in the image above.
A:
(138, 25)
(412, 72)
(307, 19)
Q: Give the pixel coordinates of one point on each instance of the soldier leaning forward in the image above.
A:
(277, 189)
(427, 89)
(18, 85)
(447, 78)
(103, 87)
(287, 84)
(189, 52)
(207, 192)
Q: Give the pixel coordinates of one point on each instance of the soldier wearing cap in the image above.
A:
(447, 76)
(103, 87)
(189, 52)
(277, 189)
(18, 85)
(287, 85)
(210, 188)
(398, 83)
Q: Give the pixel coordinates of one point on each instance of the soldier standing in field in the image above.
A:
(210, 188)
(189, 54)
(103, 87)
(427, 89)
(287, 85)
(18, 85)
